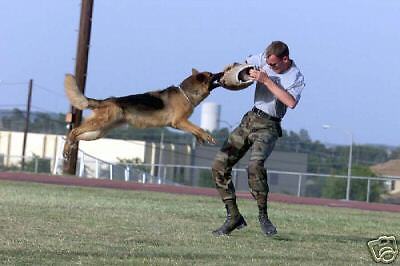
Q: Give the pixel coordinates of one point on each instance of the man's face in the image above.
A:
(278, 65)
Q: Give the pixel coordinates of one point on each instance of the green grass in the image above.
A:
(56, 225)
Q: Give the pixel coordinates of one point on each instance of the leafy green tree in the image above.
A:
(336, 187)
(46, 123)
(220, 135)
(205, 179)
(37, 164)
(15, 121)
(395, 154)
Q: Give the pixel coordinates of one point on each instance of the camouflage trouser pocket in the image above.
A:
(263, 141)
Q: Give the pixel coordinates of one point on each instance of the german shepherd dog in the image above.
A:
(169, 107)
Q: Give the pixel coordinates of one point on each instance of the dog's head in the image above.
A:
(200, 84)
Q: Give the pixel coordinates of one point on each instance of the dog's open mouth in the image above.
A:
(216, 80)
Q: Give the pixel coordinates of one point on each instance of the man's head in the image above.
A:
(277, 56)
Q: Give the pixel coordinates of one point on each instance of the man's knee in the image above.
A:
(257, 176)
(219, 165)
(256, 167)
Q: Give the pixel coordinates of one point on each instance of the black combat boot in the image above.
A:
(266, 226)
(234, 220)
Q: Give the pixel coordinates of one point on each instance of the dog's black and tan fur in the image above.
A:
(169, 107)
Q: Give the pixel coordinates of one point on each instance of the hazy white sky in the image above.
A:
(348, 51)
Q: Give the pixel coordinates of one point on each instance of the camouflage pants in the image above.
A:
(257, 133)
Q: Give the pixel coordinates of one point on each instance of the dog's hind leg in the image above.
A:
(81, 133)
(93, 128)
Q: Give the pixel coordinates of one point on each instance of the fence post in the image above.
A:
(235, 177)
(97, 169)
(299, 186)
(127, 173)
(111, 172)
(144, 178)
(165, 174)
(368, 189)
(36, 164)
(81, 164)
(55, 165)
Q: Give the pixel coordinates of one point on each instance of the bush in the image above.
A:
(205, 179)
(38, 165)
(335, 188)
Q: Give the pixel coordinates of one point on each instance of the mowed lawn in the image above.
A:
(57, 225)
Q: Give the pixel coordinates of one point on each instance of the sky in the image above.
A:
(348, 51)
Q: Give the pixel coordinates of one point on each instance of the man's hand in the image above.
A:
(276, 90)
(259, 75)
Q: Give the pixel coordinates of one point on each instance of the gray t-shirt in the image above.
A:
(292, 81)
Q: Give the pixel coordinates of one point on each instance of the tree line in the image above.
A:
(321, 158)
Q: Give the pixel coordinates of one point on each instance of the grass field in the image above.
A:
(56, 225)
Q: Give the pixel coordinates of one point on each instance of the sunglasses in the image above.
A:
(273, 65)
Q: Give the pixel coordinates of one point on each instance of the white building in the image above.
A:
(108, 150)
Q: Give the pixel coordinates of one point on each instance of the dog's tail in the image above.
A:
(75, 96)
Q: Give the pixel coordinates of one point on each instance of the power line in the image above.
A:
(12, 105)
(49, 90)
(12, 83)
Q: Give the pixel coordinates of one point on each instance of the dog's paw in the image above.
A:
(67, 150)
(66, 154)
(211, 140)
(200, 139)
(208, 138)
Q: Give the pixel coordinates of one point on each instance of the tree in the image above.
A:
(395, 154)
(336, 187)
(38, 165)
(14, 121)
(205, 179)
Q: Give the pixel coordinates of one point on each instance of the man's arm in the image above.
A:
(282, 95)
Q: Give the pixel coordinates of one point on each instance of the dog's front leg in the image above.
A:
(199, 133)
(68, 146)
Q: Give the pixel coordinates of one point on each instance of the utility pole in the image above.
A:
(81, 64)
(26, 129)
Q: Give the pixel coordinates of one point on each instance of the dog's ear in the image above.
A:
(195, 71)
(201, 77)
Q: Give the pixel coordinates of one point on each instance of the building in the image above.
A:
(389, 168)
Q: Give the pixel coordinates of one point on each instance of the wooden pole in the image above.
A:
(80, 74)
(26, 129)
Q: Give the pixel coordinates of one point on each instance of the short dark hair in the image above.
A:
(277, 48)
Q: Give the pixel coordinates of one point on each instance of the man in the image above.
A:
(279, 85)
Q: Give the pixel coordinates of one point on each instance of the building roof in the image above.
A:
(389, 168)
